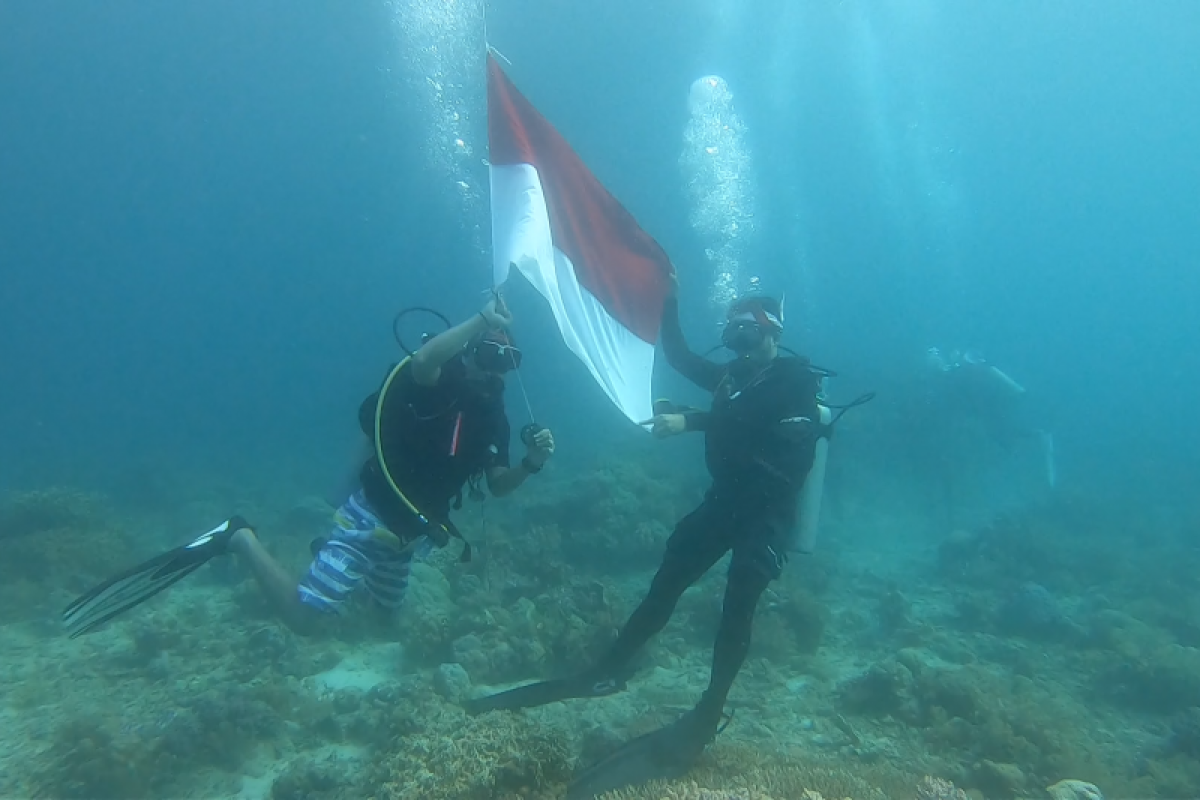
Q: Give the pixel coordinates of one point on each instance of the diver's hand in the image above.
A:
(664, 425)
(542, 448)
(496, 313)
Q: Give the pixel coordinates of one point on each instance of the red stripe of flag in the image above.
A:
(618, 262)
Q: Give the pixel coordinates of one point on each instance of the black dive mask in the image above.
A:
(743, 336)
(495, 357)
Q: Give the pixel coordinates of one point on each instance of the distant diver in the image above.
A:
(761, 443)
(965, 385)
(436, 425)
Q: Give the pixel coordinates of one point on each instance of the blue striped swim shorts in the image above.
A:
(352, 558)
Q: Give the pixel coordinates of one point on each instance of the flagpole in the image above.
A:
(489, 50)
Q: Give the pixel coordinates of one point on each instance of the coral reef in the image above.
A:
(43, 511)
(1074, 790)
(690, 791)
(1001, 665)
(460, 758)
(792, 622)
(617, 507)
(931, 788)
(1034, 612)
(88, 761)
(50, 542)
(733, 774)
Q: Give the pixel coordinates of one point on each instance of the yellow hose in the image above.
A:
(387, 384)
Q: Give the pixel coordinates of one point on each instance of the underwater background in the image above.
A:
(210, 213)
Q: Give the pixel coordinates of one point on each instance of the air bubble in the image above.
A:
(717, 173)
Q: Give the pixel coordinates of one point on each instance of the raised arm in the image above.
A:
(696, 368)
(428, 361)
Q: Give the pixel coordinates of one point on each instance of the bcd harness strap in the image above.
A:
(440, 531)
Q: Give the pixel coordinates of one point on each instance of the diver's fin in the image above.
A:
(138, 584)
(540, 694)
(664, 754)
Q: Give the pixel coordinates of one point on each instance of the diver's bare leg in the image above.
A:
(275, 582)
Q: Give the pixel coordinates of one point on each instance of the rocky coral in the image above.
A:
(1034, 612)
(1145, 670)
(931, 788)
(618, 507)
(793, 622)
(1074, 790)
(1008, 734)
(1185, 733)
(49, 538)
(460, 758)
(89, 761)
(44, 510)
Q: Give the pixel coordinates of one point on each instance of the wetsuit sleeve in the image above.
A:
(805, 393)
(696, 420)
(697, 369)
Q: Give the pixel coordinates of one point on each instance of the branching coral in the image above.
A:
(929, 788)
(461, 758)
(690, 791)
(734, 767)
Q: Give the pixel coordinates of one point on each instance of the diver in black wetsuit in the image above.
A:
(964, 387)
(760, 439)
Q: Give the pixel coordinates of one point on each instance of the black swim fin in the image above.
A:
(543, 693)
(664, 754)
(138, 584)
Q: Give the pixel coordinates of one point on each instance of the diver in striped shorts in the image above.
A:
(440, 426)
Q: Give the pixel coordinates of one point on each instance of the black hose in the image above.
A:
(400, 315)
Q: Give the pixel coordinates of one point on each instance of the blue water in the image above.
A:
(210, 212)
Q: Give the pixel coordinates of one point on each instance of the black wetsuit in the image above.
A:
(760, 439)
(435, 438)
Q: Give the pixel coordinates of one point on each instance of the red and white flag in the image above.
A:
(604, 277)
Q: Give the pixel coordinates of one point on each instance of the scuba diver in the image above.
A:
(965, 386)
(436, 424)
(760, 439)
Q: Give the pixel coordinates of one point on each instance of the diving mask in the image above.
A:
(492, 355)
(746, 331)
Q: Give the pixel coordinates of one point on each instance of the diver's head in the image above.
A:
(490, 355)
(753, 327)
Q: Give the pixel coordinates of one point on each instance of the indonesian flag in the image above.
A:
(604, 277)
